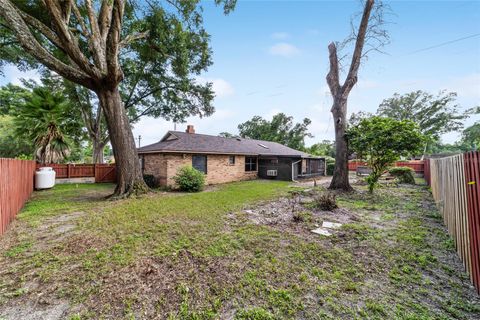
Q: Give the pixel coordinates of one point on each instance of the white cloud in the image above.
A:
(221, 87)
(467, 86)
(280, 35)
(284, 49)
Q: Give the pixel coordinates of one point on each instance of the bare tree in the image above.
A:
(370, 36)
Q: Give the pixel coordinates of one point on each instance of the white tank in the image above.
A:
(44, 178)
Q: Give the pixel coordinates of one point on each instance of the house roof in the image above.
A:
(177, 141)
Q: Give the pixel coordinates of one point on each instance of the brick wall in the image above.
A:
(220, 171)
(164, 167)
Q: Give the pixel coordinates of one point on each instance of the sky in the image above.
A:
(271, 56)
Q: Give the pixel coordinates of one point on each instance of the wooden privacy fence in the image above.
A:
(101, 172)
(455, 187)
(16, 186)
(417, 166)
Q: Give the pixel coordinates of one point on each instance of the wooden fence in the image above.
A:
(455, 187)
(16, 186)
(101, 172)
(417, 166)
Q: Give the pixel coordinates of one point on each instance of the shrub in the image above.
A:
(403, 174)
(189, 179)
(150, 180)
(326, 201)
(330, 162)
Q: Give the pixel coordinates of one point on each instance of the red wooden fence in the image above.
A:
(454, 182)
(417, 166)
(16, 186)
(472, 178)
(101, 172)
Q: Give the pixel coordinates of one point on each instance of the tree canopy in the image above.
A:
(141, 55)
(280, 129)
(382, 141)
(435, 115)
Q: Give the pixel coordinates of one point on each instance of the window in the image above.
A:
(200, 163)
(231, 160)
(250, 163)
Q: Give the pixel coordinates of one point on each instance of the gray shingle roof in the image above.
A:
(177, 141)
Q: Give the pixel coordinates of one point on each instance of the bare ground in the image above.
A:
(375, 239)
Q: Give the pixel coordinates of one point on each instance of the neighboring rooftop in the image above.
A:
(191, 142)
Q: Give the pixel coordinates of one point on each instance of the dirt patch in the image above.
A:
(28, 310)
(160, 285)
(297, 215)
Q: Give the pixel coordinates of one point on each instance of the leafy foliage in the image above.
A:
(281, 129)
(12, 97)
(165, 47)
(189, 179)
(434, 115)
(44, 119)
(383, 141)
(330, 165)
(403, 174)
(11, 144)
(324, 148)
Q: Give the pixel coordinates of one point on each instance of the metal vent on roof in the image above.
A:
(263, 146)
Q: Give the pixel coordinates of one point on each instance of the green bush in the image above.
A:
(150, 180)
(330, 162)
(189, 179)
(403, 174)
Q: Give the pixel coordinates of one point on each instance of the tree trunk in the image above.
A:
(340, 173)
(98, 147)
(129, 173)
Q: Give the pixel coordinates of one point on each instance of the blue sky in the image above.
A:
(271, 56)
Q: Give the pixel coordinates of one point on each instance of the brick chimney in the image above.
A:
(190, 129)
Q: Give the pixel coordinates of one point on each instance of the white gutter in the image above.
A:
(294, 163)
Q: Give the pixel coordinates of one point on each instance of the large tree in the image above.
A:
(369, 36)
(98, 44)
(280, 129)
(435, 115)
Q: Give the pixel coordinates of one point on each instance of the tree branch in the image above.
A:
(98, 45)
(24, 36)
(133, 37)
(333, 75)
(352, 76)
(68, 40)
(113, 41)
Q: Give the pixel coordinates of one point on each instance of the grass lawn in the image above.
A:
(72, 255)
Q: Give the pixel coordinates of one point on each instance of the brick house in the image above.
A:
(225, 159)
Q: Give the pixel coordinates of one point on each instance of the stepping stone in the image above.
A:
(322, 231)
(331, 225)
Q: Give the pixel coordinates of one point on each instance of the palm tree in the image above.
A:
(44, 120)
